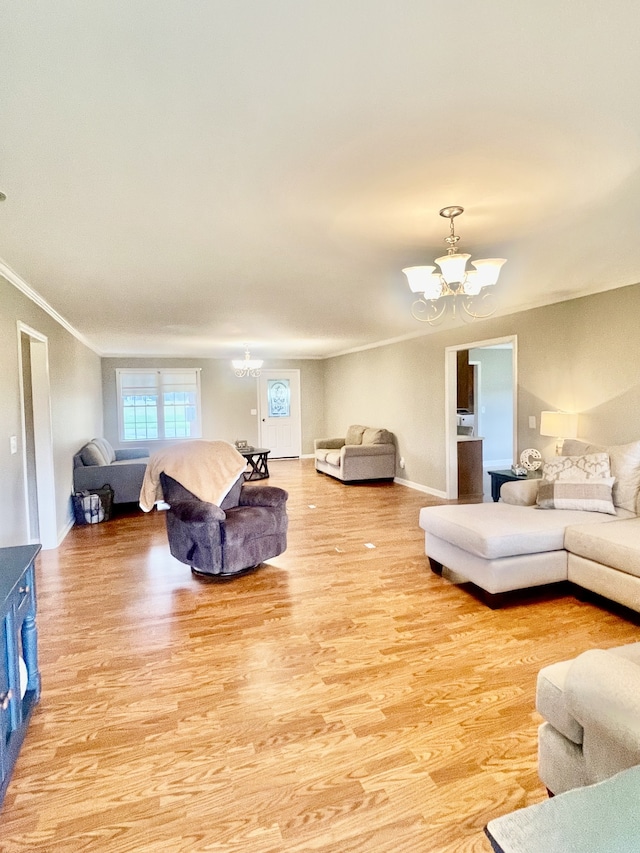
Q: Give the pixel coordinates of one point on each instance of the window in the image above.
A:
(158, 404)
(279, 396)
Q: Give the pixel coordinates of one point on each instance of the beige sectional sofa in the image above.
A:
(515, 544)
(591, 711)
(365, 453)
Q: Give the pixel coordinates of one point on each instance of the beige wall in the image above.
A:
(227, 401)
(582, 355)
(76, 410)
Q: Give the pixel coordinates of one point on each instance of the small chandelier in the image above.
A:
(453, 285)
(247, 366)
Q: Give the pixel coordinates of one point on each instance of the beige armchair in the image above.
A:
(365, 453)
(591, 707)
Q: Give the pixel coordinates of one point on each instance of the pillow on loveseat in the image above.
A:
(354, 434)
(91, 454)
(377, 436)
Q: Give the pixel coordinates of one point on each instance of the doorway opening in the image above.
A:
(37, 437)
(481, 404)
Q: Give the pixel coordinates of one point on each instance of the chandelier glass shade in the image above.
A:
(247, 366)
(454, 285)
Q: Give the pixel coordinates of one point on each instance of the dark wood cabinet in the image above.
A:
(470, 468)
(466, 378)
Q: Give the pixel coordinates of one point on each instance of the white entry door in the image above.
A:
(279, 412)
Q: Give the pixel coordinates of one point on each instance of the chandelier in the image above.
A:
(454, 285)
(247, 366)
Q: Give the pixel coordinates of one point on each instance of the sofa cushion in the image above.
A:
(376, 436)
(585, 467)
(91, 454)
(333, 458)
(624, 460)
(616, 545)
(107, 450)
(589, 495)
(354, 434)
(493, 530)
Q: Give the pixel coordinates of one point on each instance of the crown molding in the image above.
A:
(20, 284)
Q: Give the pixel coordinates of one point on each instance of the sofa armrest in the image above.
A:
(368, 450)
(328, 443)
(132, 453)
(197, 512)
(602, 692)
(262, 496)
(520, 492)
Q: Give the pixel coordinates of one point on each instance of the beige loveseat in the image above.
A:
(591, 711)
(365, 453)
(514, 544)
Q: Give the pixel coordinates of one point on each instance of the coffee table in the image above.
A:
(257, 461)
(601, 818)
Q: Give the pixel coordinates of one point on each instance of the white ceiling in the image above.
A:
(183, 177)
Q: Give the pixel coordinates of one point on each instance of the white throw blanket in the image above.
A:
(208, 469)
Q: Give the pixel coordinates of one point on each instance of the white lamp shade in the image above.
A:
(418, 278)
(559, 424)
(249, 363)
(453, 267)
(433, 289)
(472, 283)
(488, 270)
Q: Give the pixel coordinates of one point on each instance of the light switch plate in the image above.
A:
(13, 443)
(532, 421)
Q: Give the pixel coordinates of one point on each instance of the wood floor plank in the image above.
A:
(340, 698)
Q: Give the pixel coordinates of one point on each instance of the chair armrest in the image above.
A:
(197, 512)
(328, 443)
(520, 492)
(262, 496)
(602, 692)
(368, 450)
(132, 453)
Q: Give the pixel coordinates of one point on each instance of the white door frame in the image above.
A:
(451, 404)
(47, 533)
(293, 374)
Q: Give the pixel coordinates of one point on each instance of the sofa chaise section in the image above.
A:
(515, 544)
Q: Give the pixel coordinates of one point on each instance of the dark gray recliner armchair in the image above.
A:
(248, 528)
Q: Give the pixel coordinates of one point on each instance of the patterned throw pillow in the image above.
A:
(625, 467)
(593, 495)
(576, 468)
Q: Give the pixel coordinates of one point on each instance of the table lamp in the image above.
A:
(559, 424)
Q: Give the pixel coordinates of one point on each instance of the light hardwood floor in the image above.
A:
(342, 698)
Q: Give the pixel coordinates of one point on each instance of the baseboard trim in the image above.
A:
(418, 487)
